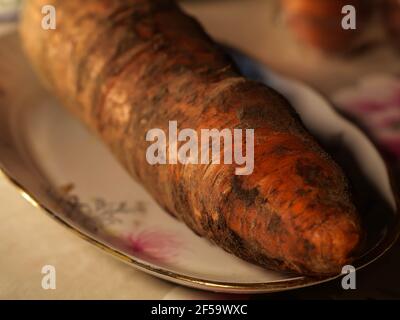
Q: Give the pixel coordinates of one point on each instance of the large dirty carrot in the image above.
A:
(125, 67)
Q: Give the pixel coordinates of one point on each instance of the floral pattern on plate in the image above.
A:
(375, 102)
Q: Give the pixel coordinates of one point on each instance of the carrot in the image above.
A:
(391, 17)
(319, 23)
(126, 67)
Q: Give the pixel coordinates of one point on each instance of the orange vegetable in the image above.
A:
(125, 67)
(319, 23)
(391, 17)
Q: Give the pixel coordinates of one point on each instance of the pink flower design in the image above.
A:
(375, 102)
(154, 245)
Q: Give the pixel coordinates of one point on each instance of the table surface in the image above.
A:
(29, 239)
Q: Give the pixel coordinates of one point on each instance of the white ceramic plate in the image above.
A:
(58, 166)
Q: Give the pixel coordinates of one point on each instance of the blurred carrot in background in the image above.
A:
(319, 22)
(391, 16)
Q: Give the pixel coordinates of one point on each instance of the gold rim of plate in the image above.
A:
(273, 286)
(392, 234)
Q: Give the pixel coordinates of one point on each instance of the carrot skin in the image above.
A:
(125, 67)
